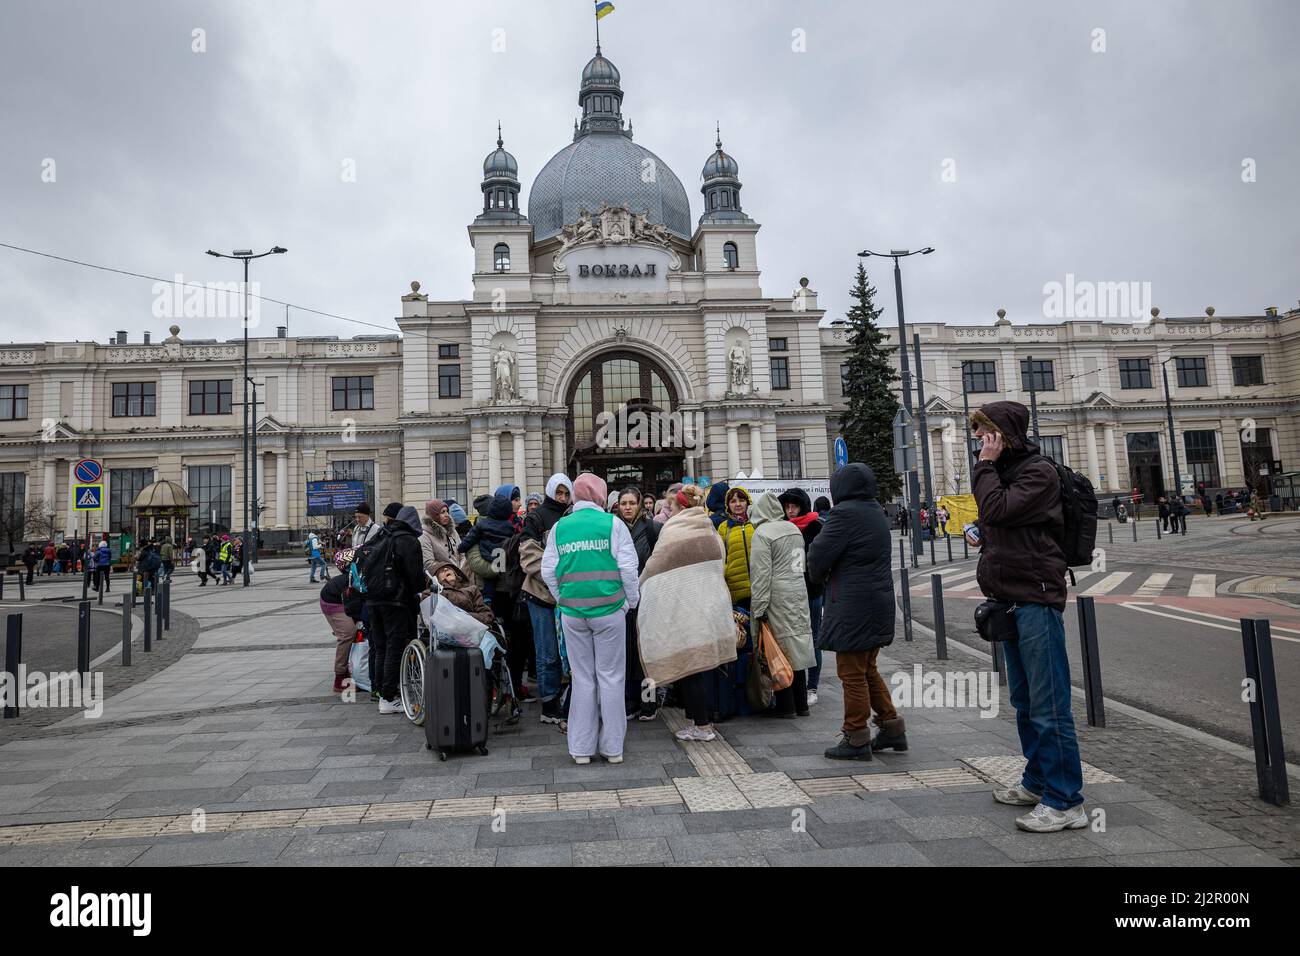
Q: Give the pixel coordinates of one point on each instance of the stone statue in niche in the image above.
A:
(503, 376)
(738, 369)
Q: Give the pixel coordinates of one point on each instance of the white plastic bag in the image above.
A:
(359, 665)
(449, 625)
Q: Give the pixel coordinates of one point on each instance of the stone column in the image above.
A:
(1112, 472)
(1090, 446)
(559, 452)
(259, 493)
(520, 473)
(50, 486)
(494, 459)
(755, 448)
(282, 489)
(733, 451)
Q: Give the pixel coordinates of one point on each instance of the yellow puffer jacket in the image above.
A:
(737, 538)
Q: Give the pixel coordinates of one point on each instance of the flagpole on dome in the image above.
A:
(603, 8)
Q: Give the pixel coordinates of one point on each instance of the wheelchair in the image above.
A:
(503, 704)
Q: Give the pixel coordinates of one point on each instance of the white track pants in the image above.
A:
(597, 661)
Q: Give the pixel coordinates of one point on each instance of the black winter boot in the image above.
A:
(891, 736)
(845, 750)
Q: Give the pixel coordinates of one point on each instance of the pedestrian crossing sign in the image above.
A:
(88, 497)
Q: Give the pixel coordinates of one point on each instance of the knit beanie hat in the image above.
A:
(392, 509)
(434, 507)
(457, 513)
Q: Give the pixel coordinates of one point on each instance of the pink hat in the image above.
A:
(589, 487)
(435, 507)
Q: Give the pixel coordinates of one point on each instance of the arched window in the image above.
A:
(726, 198)
(713, 200)
(610, 381)
(730, 255)
(501, 257)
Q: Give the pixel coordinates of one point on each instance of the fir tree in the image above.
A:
(867, 424)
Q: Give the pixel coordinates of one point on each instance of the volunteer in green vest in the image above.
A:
(590, 565)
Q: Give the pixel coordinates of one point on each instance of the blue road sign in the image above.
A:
(841, 452)
(88, 471)
(88, 497)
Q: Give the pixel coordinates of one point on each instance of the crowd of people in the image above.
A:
(617, 601)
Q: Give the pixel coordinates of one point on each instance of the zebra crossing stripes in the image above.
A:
(1202, 586)
(1153, 585)
(1109, 583)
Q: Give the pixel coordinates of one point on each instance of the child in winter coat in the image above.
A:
(488, 539)
(457, 589)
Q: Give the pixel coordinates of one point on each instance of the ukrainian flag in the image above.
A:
(603, 8)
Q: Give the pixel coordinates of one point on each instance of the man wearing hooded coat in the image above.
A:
(852, 557)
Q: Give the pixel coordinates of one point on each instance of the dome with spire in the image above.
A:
(604, 166)
(500, 184)
(721, 187)
(720, 164)
(499, 162)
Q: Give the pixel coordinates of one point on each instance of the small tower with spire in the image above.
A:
(725, 237)
(500, 184)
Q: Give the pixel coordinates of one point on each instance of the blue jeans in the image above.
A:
(815, 612)
(1038, 678)
(547, 646)
(318, 562)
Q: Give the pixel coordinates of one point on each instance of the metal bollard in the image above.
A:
(83, 639)
(1000, 660)
(148, 621)
(1134, 523)
(158, 614)
(167, 604)
(22, 587)
(85, 584)
(940, 626)
(907, 605)
(13, 658)
(126, 631)
(3, 575)
(1090, 655)
(932, 549)
(1110, 531)
(965, 547)
(1158, 534)
(102, 589)
(948, 538)
(1265, 719)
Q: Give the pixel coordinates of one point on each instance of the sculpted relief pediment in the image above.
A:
(614, 226)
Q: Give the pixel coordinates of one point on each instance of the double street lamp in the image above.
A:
(245, 255)
(912, 484)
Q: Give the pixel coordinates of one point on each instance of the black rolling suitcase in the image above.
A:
(455, 700)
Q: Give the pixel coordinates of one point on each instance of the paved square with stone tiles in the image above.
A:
(237, 752)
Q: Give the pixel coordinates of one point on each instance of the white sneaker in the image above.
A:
(697, 734)
(582, 761)
(390, 706)
(1045, 819)
(618, 758)
(812, 697)
(1017, 796)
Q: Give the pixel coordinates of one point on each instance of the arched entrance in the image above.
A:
(630, 447)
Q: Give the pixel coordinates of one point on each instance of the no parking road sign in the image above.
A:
(88, 497)
(88, 471)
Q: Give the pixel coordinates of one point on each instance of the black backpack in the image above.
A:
(1079, 507)
(373, 573)
(511, 582)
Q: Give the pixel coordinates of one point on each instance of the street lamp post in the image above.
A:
(965, 408)
(1169, 414)
(914, 491)
(245, 255)
(924, 431)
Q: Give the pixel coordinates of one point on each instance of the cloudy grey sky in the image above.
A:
(1119, 165)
